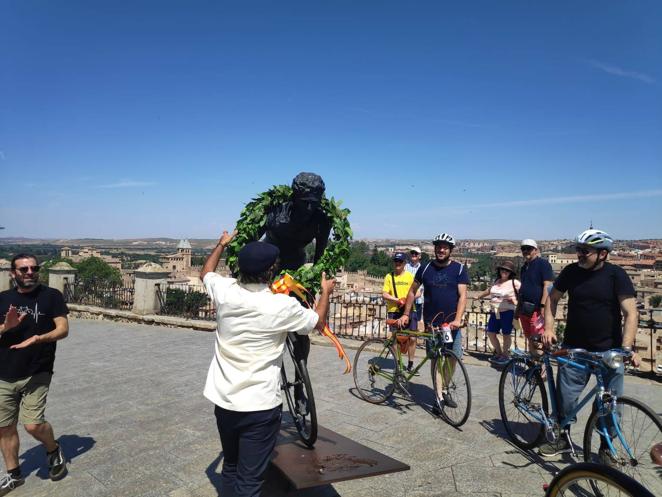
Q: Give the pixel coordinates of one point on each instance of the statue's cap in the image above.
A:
(257, 257)
(308, 186)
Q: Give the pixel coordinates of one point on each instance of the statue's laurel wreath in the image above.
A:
(254, 216)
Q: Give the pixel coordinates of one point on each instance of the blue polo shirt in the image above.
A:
(533, 277)
(441, 290)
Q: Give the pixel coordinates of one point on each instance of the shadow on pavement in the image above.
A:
(495, 427)
(35, 458)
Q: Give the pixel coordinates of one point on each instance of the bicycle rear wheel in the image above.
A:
(587, 479)
(642, 431)
(522, 392)
(375, 369)
(451, 388)
(304, 416)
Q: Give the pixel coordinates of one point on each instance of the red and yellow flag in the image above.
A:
(288, 285)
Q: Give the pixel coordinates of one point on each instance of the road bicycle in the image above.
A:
(304, 414)
(621, 432)
(379, 370)
(590, 479)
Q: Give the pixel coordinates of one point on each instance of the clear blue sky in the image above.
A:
(484, 119)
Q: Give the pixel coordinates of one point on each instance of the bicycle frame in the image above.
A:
(587, 365)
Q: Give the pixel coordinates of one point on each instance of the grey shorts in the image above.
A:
(24, 400)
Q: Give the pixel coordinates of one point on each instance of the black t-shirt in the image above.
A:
(594, 313)
(41, 305)
(533, 277)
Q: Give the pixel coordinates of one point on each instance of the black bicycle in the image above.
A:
(294, 376)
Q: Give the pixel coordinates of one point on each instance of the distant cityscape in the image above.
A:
(357, 309)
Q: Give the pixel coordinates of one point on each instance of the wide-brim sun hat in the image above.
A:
(507, 265)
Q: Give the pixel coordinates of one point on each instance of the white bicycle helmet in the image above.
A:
(596, 239)
(444, 238)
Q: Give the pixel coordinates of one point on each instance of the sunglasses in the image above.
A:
(584, 251)
(414, 253)
(25, 269)
(526, 249)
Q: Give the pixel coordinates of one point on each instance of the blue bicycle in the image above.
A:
(621, 432)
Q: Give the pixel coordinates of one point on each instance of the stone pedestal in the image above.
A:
(5, 276)
(60, 275)
(145, 299)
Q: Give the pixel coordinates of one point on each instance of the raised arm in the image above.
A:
(211, 263)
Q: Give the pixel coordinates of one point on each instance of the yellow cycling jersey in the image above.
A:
(402, 283)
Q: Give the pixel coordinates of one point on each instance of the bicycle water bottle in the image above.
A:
(448, 336)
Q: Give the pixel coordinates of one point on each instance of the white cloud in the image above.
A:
(618, 71)
(127, 184)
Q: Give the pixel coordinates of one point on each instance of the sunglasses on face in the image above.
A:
(414, 254)
(526, 249)
(584, 251)
(25, 269)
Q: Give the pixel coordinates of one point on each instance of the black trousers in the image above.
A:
(248, 439)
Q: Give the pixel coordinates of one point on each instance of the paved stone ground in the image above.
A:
(127, 405)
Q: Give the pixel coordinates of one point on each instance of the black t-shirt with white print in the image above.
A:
(41, 305)
(594, 312)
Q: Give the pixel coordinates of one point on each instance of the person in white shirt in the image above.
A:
(244, 376)
(412, 267)
(503, 300)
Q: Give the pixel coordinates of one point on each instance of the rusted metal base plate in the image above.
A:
(334, 458)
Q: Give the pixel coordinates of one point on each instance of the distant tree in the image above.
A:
(358, 259)
(197, 260)
(655, 300)
(182, 303)
(482, 268)
(94, 269)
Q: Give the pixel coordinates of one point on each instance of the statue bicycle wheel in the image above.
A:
(298, 393)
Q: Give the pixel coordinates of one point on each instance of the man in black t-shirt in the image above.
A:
(599, 295)
(33, 318)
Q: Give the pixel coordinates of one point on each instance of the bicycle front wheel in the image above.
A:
(451, 388)
(587, 479)
(522, 403)
(301, 404)
(641, 430)
(375, 369)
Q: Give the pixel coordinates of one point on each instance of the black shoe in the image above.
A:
(9, 483)
(410, 370)
(57, 464)
(448, 400)
(550, 449)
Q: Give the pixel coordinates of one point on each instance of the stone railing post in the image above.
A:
(60, 274)
(5, 277)
(145, 299)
